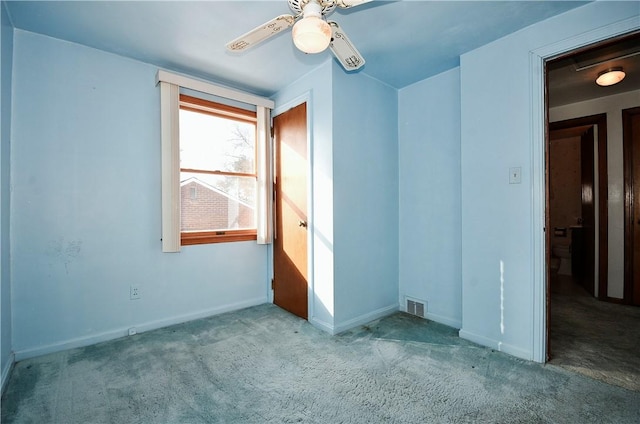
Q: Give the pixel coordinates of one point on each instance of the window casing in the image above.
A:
(171, 85)
(218, 175)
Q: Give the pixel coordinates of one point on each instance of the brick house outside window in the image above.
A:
(204, 207)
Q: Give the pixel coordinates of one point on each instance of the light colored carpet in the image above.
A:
(263, 365)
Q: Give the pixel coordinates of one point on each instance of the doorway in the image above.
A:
(290, 269)
(580, 225)
(593, 335)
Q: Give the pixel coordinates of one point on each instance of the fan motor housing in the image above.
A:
(298, 6)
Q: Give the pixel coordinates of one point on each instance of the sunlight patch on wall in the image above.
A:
(501, 297)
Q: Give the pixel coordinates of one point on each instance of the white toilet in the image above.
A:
(563, 252)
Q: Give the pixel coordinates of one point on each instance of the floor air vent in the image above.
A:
(415, 308)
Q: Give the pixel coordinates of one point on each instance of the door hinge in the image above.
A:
(272, 132)
(272, 284)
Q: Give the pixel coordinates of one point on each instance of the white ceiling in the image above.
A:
(402, 41)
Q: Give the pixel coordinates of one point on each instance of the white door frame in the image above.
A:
(538, 126)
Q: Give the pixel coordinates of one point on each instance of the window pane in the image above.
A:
(216, 144)
(216, 202)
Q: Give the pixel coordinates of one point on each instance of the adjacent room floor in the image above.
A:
(263, 365)
(595, 338)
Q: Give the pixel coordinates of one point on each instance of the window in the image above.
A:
(231, 168)
(217, 172)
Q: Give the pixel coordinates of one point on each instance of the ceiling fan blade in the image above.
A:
(342, 48)
(261, 33)
(345, 4)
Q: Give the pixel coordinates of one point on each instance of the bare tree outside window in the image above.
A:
(241, 159)
(218, 162)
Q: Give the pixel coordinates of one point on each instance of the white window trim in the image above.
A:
(264, 201)
(213, 89)
(170, 134)
(170, 84)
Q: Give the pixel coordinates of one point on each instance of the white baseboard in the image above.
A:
(450, 322)
(140, 328)
(366, 318)
(497, 345)
(322, 325)
(6, 371)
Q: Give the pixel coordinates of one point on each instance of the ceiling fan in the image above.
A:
(311, 34)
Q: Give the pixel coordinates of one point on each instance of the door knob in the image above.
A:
(302, 224)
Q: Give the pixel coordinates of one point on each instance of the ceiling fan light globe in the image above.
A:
(610, 77)
(311, 35)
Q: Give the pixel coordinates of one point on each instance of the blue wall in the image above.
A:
(365, 204)
(6, 65)
(86, 207)
(430, 215)
(353, 195)
(409, 196)
(501, 228)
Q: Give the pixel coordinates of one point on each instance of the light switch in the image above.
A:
(515, 175)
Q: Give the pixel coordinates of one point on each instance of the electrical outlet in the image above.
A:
(133, 331)
(134, 292)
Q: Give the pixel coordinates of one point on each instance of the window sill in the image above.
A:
(208, 237)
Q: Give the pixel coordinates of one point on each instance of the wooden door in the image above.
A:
(290, 244)
(631, 137)
(586, 266)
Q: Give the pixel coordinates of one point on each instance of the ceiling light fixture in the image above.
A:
(312, 34)
(610, 77)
